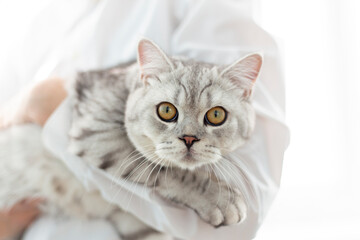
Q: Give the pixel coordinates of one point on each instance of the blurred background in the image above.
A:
(320, 40)
(320, 192)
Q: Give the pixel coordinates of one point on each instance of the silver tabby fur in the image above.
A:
(115, 127)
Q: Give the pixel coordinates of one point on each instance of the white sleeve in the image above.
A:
(48, 228)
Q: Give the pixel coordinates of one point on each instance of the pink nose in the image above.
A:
(189, 140)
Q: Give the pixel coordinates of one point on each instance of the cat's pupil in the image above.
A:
(216, 113)
(167, 109)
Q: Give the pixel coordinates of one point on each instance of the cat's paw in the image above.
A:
(225, 208)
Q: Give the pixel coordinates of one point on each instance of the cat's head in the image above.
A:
(188, 113)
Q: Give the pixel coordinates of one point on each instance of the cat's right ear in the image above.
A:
(152, 60)
(244, 72)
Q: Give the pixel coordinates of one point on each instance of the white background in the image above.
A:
(320, 192)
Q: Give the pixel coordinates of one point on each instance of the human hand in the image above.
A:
(33, 105)
(18, 218)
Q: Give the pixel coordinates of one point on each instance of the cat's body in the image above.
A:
(135, 121)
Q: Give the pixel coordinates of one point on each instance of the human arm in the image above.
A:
(33, 105)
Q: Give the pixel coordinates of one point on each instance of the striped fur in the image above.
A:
(115, 127)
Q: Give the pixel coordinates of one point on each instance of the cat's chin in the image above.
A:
(187, 162)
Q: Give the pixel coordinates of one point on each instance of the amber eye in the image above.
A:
(215, 116)
(167, 112)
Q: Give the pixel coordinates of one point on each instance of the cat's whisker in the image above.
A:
(129, 161)
(208, 175)
(241, 180)
(160, 162)
(146, 160)
(218, 182)
(171, 168)
(133, 171)
(155, 179)
(166, 182)
(230, 191)
(138, 175)
(129, 157)
(243, 187)
(227, 184)
(136, 158)
(156, 164)
(136, 181)
(243, 162)
(242, 170)
(127, 179)
(151, 160)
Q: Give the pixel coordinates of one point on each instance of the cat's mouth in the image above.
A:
(190, 160)
(185, 158)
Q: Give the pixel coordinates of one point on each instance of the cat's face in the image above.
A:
(188, 114)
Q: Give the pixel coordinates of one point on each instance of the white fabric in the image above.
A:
(98, 34)
(47, 228)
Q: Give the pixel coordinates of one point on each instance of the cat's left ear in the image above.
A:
(152, 60)
(244, 72)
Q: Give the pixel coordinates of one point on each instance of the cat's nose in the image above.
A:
(189, 140)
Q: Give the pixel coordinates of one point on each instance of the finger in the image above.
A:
(22, 219)
(18, 218)
(26, 205)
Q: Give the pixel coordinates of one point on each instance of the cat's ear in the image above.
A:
(152, 60)
(244, 72)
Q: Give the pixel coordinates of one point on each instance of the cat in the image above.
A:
(135, 121)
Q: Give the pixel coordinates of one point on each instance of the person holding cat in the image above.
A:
(263, 168)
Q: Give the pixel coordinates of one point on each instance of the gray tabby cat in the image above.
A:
(135, 122)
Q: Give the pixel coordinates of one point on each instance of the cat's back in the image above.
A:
(98, 99)
(99, 82)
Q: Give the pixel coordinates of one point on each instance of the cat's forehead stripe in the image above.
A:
(208, 85)
(209, 99)
(176, 96)
(194, 80)
(186, 92)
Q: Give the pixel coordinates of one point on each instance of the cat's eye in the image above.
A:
(167, 112)
(215, 116)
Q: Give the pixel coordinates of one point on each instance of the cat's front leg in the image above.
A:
(215, 202)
